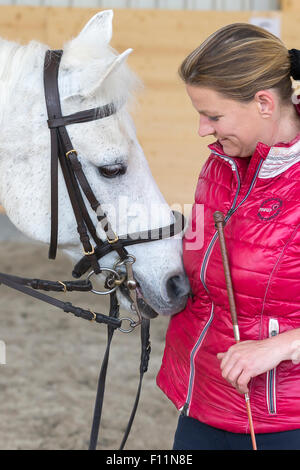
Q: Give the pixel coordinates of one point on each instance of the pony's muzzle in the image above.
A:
(178, 289)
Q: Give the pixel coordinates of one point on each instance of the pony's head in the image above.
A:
(91, 74)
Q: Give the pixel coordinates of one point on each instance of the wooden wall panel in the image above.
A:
(165, 120)
(23, 23)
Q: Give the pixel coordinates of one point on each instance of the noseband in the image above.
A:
(63, 152)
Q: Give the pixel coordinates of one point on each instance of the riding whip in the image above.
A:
(219, 223)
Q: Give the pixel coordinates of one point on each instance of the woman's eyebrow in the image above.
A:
(208, 112)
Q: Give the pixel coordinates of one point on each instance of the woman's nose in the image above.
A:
(205, 127)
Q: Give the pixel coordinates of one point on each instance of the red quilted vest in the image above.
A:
(261, 200)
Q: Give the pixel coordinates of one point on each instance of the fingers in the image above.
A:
(234, 370)
(241, 383)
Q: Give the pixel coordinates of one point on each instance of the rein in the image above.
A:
(63, 153)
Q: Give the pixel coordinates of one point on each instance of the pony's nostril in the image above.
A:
(177, 286)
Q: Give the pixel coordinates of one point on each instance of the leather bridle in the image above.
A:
(62, 152)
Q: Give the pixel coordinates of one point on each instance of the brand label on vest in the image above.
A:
(270, 208)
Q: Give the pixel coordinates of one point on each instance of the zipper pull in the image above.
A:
(184, 410)
(273, 327)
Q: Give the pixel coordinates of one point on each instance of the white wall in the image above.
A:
(168, 4)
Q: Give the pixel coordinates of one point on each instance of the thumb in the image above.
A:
(220, 356)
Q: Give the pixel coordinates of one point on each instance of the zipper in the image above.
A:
(227, 217)
(234, 168)
(185, 409)
(271, 374)
(234, 207)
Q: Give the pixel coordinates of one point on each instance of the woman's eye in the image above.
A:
(214, 118)
(111, 171)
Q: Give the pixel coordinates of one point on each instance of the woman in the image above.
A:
(239, 82)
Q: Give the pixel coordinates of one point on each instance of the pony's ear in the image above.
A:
(90, 58)
(94, 37)
(99, 26)
(90, 88)
(112, 67)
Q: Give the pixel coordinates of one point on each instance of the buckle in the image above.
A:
(94, 315)
(64, 286)
(114, 240)
(71, 151)
(89, 252)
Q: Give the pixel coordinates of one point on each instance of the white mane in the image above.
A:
(16, 65)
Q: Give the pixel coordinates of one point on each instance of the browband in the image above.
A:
(83, 116)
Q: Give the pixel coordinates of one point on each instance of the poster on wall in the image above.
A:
(273, 25)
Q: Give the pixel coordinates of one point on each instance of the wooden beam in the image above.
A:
(289, 5)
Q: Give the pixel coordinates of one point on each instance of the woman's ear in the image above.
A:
(265, 101)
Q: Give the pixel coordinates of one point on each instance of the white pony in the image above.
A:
(91, 74)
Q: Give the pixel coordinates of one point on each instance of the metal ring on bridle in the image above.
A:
(128, 259)
(107, 291)
(132, 323)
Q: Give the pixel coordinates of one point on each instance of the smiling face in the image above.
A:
(238, 126)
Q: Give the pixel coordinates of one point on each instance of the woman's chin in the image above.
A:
(229, 148)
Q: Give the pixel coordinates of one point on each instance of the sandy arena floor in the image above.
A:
(48, 384)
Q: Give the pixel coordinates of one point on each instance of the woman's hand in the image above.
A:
(248, 359)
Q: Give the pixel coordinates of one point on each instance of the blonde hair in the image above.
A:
(237, 61)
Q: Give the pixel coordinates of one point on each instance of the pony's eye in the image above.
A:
(111, 171)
